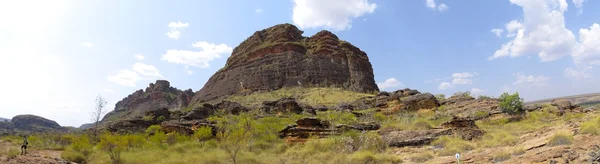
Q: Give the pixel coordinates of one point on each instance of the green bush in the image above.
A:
(421, 158)
(148, 118)
(440, 97)
(452, 145)
(82, 145)
(161, 118)
(153, 129)
(113, 145)
(203, 133)
(73, 156)
(481, 114)
(511, 103)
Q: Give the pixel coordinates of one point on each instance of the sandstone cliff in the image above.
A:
(156, 96)
(280, 56)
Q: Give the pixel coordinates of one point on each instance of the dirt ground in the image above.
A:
(32, 157)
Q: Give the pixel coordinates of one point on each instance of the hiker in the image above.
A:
(24, 146)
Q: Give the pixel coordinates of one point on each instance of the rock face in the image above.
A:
(280, 56)
(463, 128)
(310, 126)
(283, 105)
(139, 124)
(186, 127)
(34, 123)
(156, 96)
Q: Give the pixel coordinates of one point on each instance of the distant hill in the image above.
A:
(86, 126)
(4, 119)
(30, 124)
(582, 100)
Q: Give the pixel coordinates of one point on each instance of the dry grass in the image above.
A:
(421, 157)
(312, 96)
(591, 127)
(561, 138)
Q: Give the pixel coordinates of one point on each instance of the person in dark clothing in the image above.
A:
(24, 146)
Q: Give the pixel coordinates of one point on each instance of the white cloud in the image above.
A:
(146, 70)
(390, 83)
(443, 7)
(87, 44)
(587, 52)
(173, 34)
(542, 32)
(577, 74)
(175, 29)
(498, 32)
(258, 10)
(331, 14)
(139, 57)
(109, 90)
(178, 24)
(444, 85)
(432, 5)
(125, 78)
(461, 78)
(477, 91)
(139, 71)
(208, 52)
(533, 81)
(188, 71)
(579, 5)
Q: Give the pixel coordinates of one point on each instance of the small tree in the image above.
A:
(113, 145)
(511, 103)
(440, 97)
(203, 133)
(97, 114)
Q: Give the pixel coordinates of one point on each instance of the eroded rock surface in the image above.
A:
(280, 56)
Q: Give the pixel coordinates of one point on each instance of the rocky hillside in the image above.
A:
(28, 124)
(280, 56)
(157, 95)
(4, 119)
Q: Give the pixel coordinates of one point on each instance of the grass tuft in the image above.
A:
(561, 138)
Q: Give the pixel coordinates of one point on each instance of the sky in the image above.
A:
(57, 56)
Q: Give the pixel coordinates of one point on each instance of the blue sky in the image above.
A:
(57, 56)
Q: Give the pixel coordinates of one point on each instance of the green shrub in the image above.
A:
(481, 114)
(203, 133)
(82, 145)
(161, 118)
(13, 152)
(73, 156)
(380, 117)
(153, 129)
(367, 157)
(511, 103)
(148, 118)
(421, 124)
(484, 97)
(498, 138)
(462, 94)
(113, 145)
(561, 138)
(440, 97)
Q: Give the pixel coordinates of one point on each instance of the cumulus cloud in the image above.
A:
(532, 81)
(587, 52)
(542, 32)
(139, 71)
(477, 91)
(207, 53)
(139, 57)
(175, 29)
(577, 74)
(125, 78)
(146, 70)
(391, 83)
(331, 14)
(579, 5)
(461, 78)
(258, 10)
(497, 31)
(444, 85)
(433, 5)
(87, 44)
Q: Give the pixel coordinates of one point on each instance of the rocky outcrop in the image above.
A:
(463, 128)
(86, 126)
(280, 56)
(201, 112)
(284, 105)
(139, 124)
(420, 101)
(310, 126)
(156, 96)
(186, 127)
(231, 107)
(32, 123)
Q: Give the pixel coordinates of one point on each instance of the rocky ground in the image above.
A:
(33, 156)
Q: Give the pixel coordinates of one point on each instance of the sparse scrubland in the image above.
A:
(252, 137)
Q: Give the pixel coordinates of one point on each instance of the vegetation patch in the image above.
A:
(561, 138)
(421, 157)
(591, 127)
(452, 145)
(312, 96)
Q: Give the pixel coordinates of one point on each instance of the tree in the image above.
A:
(97, 114)
(203, 133)
(113, 145)
(440, 97)
(511, 103)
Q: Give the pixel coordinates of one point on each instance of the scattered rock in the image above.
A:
(420, 101)
(413, 137)
(231, 107)
(201, 112)
(363, 126)
(311, 126)
(344, 107)
(186, 127)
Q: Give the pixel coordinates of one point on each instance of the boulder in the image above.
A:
(345, 107)
(321, 108)
(413, 137)
(201, 112)
(362, 126)
(420, 101)
(311, 126)
(230, 107)
(186, 127)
